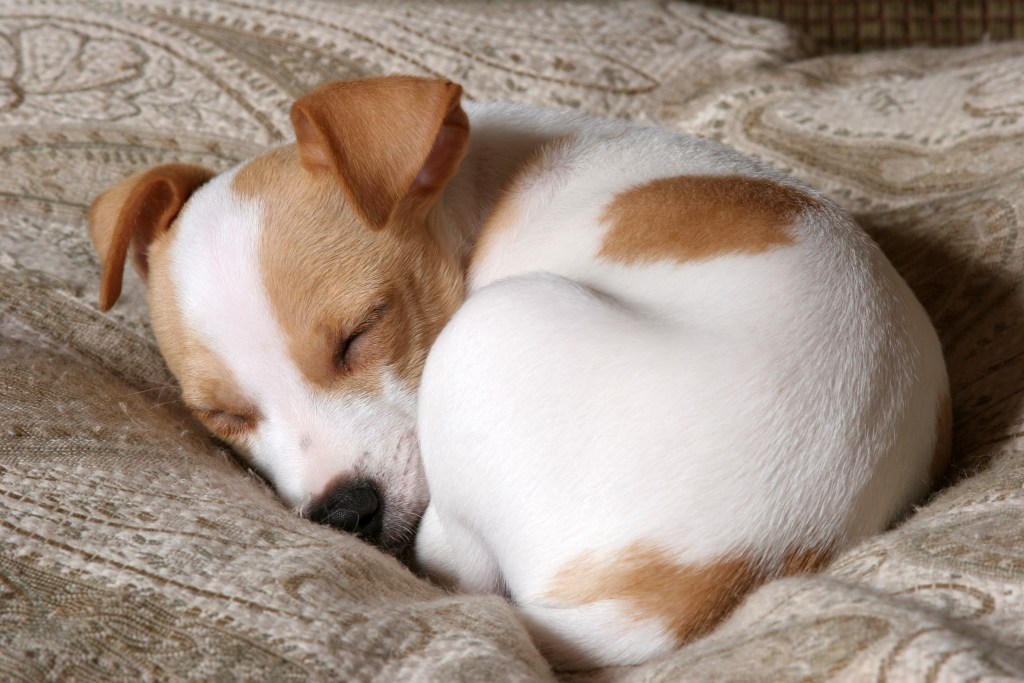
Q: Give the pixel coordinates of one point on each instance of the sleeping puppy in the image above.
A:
(638, 372)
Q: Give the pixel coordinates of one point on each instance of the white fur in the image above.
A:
(743, 404)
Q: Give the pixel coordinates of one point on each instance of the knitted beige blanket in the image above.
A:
(132, 548)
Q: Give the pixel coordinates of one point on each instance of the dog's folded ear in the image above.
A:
(384, 139)
(132, 214)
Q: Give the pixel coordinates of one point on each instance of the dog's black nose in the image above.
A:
(351, 506)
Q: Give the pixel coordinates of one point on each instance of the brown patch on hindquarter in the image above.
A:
(324, 271)
(689, 599)
(696, 218)
(943, 439)
(804, 561)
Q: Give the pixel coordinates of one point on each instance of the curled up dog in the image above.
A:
(618, 374)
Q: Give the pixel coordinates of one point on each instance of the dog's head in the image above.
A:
(295, 297)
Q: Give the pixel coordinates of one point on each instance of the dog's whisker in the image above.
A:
(156, 388)
(166, 403)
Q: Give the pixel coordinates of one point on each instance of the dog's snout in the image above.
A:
(351, 506)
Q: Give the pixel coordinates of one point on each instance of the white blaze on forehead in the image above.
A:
(215, 268)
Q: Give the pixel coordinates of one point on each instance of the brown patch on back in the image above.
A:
(943, 439)
(324, 271)
(689, 599)
(696, 218)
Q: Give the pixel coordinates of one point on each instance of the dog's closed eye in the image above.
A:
(351, 349)
(226, 424)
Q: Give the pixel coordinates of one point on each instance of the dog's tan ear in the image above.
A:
(132, 214)
(383, 139)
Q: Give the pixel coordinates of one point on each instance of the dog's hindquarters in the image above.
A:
(570, 454)
(516, 466)
(629, 462)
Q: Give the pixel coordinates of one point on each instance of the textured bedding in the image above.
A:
(132, 547)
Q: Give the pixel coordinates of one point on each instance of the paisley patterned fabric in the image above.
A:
(134, 548)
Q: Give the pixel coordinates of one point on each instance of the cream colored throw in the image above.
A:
(132, 548)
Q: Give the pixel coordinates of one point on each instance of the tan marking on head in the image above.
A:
(696, 218)
(327, 276)
(943, 439)
(208, 386)
(689, 600)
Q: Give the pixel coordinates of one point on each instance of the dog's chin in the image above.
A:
(399, 533)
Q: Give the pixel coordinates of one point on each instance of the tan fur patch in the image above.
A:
(696, 218)
(805, 561)
(325, 271)
(689, 599)
(943, 439)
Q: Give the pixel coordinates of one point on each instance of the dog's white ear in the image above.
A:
(132, 214)
(384, 139)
